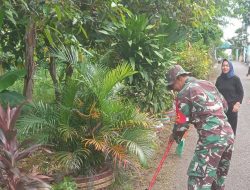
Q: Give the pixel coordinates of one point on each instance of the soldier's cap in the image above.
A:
(173, 73)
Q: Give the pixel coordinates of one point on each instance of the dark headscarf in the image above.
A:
(230, 74)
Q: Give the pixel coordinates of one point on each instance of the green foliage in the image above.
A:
(91, 122)
(118, 27)
(43, 89)
(209, 33)
(194, 58)
(123, 181)
(11, 97)
(7, 80)
(66, 184)
(241, 9)
(136, 41)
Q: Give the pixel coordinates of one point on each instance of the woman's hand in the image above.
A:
(236, 107)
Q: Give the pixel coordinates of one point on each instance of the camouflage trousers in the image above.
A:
(209, 166)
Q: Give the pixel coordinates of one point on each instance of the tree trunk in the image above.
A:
(52, 71)
(69, 72)
(30, 43)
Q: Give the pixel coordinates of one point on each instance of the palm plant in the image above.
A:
(92, 124)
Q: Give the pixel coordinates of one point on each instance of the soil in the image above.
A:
(173, 173)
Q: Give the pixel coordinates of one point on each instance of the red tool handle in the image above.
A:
(152, 182)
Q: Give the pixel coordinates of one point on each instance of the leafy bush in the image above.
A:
(136, 40)
(66, 184)
(194, 58)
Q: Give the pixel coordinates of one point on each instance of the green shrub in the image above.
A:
(66, 184)
(194, 58)
(137, 42)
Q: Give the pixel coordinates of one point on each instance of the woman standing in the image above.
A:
(229, 85)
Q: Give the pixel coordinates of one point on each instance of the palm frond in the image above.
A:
(118, 153)
(71, 161)
(68, 133)
(98, 144)
(113, 77)
(92, 75)
(118, 115)
(139, 142)
(140, 119)
(34, 124)
(42, 118)
(65, 54)
(134, 148)
(64, 113)
(69, 93)
(101, 81)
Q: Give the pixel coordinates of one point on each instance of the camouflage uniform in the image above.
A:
(203, 105)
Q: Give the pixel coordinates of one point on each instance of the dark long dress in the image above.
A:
(232, 90)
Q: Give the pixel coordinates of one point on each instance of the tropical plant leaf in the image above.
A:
(118, 153)
(115, 76)
(10, 153)
(42, 120)
(99, 144)
(27, 152)
(71, 161)
(66, 55)
(2, 137)
(58, 12)
(68, 133)
(11, 98)
(49, 36)
(34, 124)
(1, 17)
(137, 141)
(69, 93)
(9, 78)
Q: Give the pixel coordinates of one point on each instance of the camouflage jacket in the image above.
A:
(204, 107)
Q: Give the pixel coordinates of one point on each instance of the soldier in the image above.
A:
(203, 106)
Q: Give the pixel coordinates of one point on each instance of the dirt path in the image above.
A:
(173, 174)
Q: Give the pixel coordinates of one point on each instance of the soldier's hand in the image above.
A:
(178, 136)
(171, 137)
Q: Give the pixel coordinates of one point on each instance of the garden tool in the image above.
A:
(152, 182)
(180, 147)
(180, 119)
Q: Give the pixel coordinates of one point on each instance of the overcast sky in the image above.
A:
(229, 29)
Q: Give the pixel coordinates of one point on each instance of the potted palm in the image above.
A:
(92, 125)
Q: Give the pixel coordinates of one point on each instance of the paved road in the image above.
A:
(173, 175)
(239, 174)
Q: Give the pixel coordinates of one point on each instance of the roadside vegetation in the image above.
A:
(92, 76)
